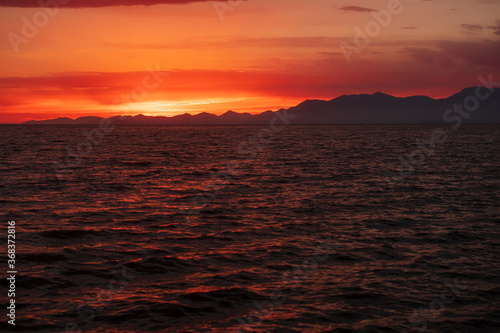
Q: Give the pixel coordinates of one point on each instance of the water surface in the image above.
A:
(148, 230)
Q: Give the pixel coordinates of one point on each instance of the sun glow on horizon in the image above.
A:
(173, 108)
(217, 106)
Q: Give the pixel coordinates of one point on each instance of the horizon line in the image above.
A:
(241, 113)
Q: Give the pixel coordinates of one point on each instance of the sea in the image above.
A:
(348, 228)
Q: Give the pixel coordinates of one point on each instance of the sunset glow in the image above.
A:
(248, 56)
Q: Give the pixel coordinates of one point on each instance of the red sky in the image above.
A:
(91, 57)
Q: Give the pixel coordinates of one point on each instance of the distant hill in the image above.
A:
(376, 108)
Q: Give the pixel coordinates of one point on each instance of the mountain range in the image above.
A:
(377, 108)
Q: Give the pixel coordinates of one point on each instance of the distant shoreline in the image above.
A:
(362, 109)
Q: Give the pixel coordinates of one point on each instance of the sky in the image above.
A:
(74, 58)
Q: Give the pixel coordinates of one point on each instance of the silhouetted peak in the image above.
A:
(268, 112)
(230, 113)
(205, 114)
(311, 103)
(87, 117)
(464, 93)
(381, 94)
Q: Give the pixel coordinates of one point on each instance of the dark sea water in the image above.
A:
(213, 229)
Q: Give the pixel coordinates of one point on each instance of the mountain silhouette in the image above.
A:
(377, 108)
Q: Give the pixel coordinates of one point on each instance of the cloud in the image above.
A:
(447, 53)
(473, 29)
(409, 28)
(429, 56)
(239, 42)
(95, 3)
(496, 28)
(104, 88)
(358, 9)
(477, 53)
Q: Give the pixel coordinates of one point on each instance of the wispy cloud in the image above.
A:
(496, 28)
(103, 3)
(480, 53)
(471, 28)
(429, 56)
(358, 9)
(446, 53)
(213, 41)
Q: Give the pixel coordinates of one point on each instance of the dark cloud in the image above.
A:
(446, 53)
(471, 28)
(496, 28)
(94, 3)
(358, 9)
(480, 53)
(429, 56)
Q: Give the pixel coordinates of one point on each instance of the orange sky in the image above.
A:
(177, 56)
